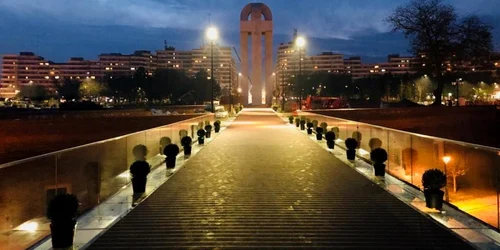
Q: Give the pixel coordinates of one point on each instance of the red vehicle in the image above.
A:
(321, 102)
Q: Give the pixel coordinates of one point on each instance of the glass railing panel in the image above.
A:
(472, 180)
(424, 154)
(27, 188)
(398, 164)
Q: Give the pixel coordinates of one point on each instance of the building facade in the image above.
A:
(28, 68)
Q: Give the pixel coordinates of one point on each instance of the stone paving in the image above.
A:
(262, 184)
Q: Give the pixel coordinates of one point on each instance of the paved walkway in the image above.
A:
(262, 184)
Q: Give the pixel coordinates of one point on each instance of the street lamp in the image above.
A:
(458, 82)
(300, 43)
(446, 159)
(212, 35)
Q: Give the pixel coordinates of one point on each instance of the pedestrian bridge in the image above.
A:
(263, 184)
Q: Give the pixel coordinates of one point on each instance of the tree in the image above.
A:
(68, 89)
(124, 87)
(91, 88)
(202, 87)
(439, 38)
(34, 92)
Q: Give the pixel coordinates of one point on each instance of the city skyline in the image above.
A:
(355, 29)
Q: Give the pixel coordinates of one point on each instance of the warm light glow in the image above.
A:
(239, 90)
(239, 74)
(274, 74)
(29, 226)
(301, 42)
(124, 175)
(212, 33)
(446, 159)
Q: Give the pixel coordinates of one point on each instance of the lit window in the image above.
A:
(88, 77)
(77, 77)
(371, 71)
(14, 63)
(173, 58)
(383, 70)
(13, 77)
(46, 63)
(27, 68)
(92, 77)
(47, 77)
(88, 73)
(204, 57)
(208, 69)
(402, 60)
(57, 77)
(110, 64)
(168, 61)
(31, 82)
(117, 64)
(132, 68)
(222, 65)
(51, 72)
(41, 63)
(107, 68)
(423, 64)
(27, 77)
(173, 53)
(376, 66)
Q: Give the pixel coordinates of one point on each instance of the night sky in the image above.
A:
(59, 29)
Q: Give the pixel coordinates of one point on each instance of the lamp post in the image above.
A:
(446, 159)
(300, 42)
(212, 35)
(458, 82)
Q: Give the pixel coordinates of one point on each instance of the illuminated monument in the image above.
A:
(256, 20)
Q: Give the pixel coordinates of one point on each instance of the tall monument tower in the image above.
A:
(256, 20)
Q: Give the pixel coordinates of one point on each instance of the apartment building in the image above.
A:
(193, 61)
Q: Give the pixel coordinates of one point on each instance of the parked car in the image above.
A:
(220, 112)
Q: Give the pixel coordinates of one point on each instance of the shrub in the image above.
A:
(217, 123)
(330, 136)
(302, 117)
(324, 126)
(308, 119)
(186, 141)
(290, 118)
(200, 125)
(140, 151)
(319, 130)
(351, 143)
(275, 108)
(433, 179)
(64, 207)
(164, 141)
(375, 143)
(140, 169)
(310, 125)
(378, 155)
(171, 150)
(200, 133)
(207, 122)
(336, 130)
(302, 122)
(315, 123)
(297, 120)
(208, 128)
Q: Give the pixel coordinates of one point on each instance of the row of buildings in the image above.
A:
(289, 56)
(27, 68)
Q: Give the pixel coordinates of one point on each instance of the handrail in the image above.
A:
(415, 134)
(16, 162)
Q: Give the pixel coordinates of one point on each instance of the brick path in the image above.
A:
(262, 184)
